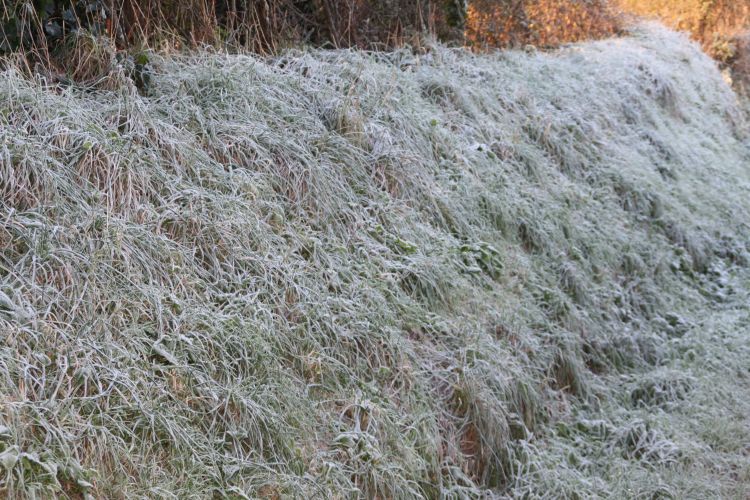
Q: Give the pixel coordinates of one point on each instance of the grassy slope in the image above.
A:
(394, 275)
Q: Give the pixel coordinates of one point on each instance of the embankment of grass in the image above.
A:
(393, 275)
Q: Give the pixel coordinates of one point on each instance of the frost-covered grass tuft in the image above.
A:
(341, 274)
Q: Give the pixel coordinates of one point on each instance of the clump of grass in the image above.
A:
(327, 274)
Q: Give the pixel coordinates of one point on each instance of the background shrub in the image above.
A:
(538, 22)
(259, 25)
(715, 23)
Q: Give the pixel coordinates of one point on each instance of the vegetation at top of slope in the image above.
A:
(257, 25)
(41, 28)
(712, 22)
(541, 23)
(398, 275)
(261, 26)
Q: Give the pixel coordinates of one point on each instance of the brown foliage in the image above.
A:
(740, 63)
(266, 25)
(260, 25)
(712, 22)
(543, 23)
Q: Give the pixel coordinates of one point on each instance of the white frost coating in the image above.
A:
(386, 275)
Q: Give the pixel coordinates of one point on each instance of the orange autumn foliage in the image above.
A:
(544, 23)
